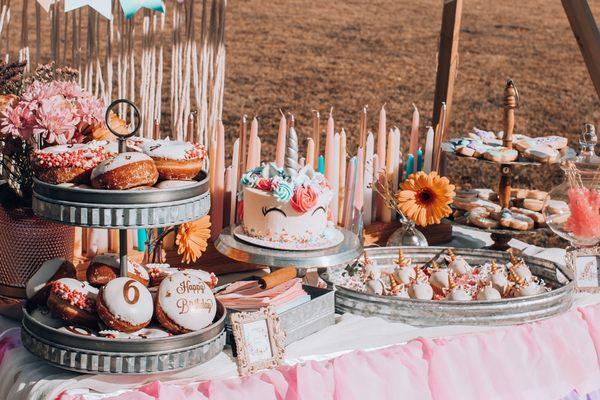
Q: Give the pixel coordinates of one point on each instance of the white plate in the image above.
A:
(334, 237)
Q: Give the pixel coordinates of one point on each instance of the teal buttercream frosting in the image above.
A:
(282, 190)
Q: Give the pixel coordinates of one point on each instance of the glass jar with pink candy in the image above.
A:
(574, 211)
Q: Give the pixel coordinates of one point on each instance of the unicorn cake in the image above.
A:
(287, 206)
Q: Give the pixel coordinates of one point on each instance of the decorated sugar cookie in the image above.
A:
(185, 303)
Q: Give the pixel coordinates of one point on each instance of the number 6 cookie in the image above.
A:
(125, 305)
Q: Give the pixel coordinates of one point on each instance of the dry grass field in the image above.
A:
(302, 55)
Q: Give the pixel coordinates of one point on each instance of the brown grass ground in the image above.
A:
(302, 55)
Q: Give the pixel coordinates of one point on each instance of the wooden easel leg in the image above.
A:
(587, 35)
(447, 58)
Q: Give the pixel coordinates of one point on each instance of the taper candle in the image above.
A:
(227, 205)
(310, 152)
(348, 199)
(219, 192)
(381, 157)
(335, 183)
(252, 161)
(420, 159)
(397, 171)
(243, 146)
(280, 149)
(368, 180)
(414, 133)
(342, 164)
(321, 164)
(330, 164)
(410, 162)
(427, 159)
(234, 182)
(316, 136)
(386, 213)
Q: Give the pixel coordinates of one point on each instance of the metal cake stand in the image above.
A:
(442, 312)
(127, 209)
(347, 251)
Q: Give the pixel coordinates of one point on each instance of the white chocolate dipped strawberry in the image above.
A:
(457, 264)
(420, 287)
(456, 292)
(438, 277)
(403, 271)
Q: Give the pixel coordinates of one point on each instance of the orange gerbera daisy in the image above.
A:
(425, 198)
(192, 238)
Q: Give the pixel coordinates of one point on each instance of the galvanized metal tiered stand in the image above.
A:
(152, 208)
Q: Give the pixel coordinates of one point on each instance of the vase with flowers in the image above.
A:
(423, 199)
(42, 109)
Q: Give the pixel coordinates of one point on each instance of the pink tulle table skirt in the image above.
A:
(551, 359)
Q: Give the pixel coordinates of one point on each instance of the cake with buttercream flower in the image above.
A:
(289, 206)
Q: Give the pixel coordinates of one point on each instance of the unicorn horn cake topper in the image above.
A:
(291, 164)
(402, 261)
(451, 254)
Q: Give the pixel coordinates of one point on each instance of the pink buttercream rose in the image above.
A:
(304, 199)
(264, 184)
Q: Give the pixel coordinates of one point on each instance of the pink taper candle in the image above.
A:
(227, 197)
(381, 157)
(219, 176)
(386, 213)
(414, 134)
(234, 181)
(330, 162)
(310, 152)
(280, 149)
(251, 160)
(342, 166)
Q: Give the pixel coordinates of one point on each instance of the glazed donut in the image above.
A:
(38, 286)
(104, 268)
(74, 301)
(175, 160)
(125, 305)
(124, 171)
(67, 163)
(184, 303)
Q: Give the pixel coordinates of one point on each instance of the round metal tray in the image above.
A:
(442, 312)
(122, 209)
(97, 355)
(347, 251)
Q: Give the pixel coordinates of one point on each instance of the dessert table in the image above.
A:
(363, 358)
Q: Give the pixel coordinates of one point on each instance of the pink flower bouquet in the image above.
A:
(52, 113)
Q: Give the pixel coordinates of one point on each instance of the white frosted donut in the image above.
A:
(171, 184)
(128, 301)
(184, 303)
(175, 160)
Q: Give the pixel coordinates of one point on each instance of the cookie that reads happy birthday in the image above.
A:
(184, 303)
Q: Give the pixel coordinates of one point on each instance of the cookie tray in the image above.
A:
(122, 209)
(436, 313)
(305, 319)
(95, 355)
